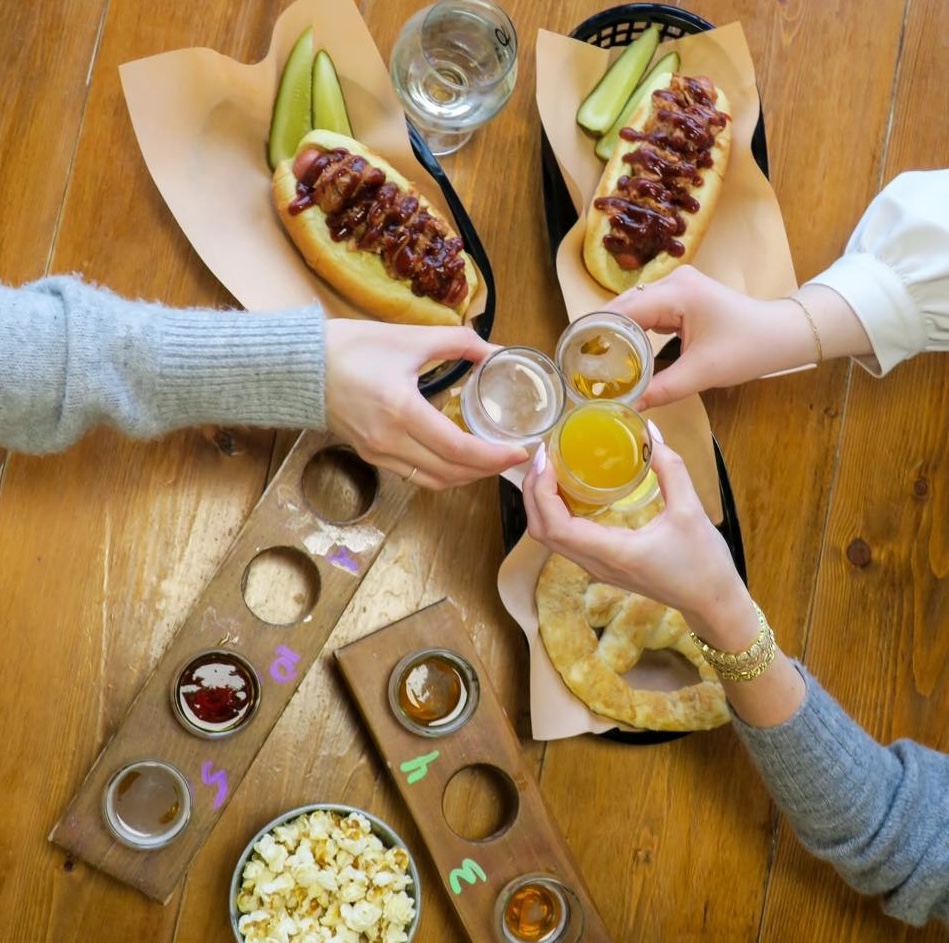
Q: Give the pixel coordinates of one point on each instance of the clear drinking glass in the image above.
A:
(514, 396)
(601, 452)
(538, 908)
(604, 355)
(453, 67)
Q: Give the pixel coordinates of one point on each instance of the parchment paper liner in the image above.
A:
(745, 247)
(202, 121)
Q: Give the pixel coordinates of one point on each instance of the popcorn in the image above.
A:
(325, 877)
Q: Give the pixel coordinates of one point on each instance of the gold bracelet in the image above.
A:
(747, 664)
(814, 331)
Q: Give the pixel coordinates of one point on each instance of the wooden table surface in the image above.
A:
(838, 478)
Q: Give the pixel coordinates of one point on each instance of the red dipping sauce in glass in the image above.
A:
(216, 693)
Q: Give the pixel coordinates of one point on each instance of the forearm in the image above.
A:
(73, 356)
(835, 323)
(731, 625)
(879, 815)
(814, 325)
(850, 800)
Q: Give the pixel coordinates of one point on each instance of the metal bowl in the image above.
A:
(385, 833)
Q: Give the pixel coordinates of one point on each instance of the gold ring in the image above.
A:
(411, 474)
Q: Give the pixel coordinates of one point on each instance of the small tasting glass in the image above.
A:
(538, 908)
(215, 693)
(515, 396)
(604, 355)
(601, 452)
(147, 804)
(433, 692)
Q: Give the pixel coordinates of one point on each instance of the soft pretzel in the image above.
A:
(572, 607)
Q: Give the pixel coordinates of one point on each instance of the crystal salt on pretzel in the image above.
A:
(572, 607)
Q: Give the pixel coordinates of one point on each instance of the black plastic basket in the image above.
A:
(450, 372)
(619, 26)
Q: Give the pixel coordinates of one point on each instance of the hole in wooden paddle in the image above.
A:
(281, 585)
(339, 485)
(480, 803)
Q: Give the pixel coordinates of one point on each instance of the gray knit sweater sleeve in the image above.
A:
(879, 815)
(73, 356)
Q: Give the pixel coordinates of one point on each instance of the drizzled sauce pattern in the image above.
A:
(375, 215)
(646, 207)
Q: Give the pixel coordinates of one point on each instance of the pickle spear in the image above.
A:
(329, 106)
(658, 76)
(291, 116)
(599, 109)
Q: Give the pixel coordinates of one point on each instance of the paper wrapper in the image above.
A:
(202, 122)
(746, 247)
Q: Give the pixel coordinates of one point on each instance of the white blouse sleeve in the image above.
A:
(895, 270)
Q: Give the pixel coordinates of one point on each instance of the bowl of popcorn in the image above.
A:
(323, 873)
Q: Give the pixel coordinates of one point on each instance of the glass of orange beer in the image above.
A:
(601, 452)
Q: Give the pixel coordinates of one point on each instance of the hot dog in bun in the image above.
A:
(368, 231)
(659, 189)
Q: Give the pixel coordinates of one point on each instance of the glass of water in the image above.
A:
(453, 67)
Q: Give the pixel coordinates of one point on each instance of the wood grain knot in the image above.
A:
(230, 442)
(921, 487)
(858, 553)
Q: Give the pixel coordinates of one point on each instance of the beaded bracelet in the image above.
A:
(747, 664)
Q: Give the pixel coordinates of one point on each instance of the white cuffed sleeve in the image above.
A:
(894, 273)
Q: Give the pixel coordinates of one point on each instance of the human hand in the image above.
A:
(678, 558)
(373, 402)
(729, 338)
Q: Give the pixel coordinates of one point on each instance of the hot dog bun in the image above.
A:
(659, 189)
(407, 265)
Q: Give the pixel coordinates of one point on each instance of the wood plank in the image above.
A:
(88, 605)
(327, 514)
(880, 609)
(45, 55)
(476, 861)
(106, 546)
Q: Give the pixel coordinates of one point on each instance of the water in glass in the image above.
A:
(454, 66)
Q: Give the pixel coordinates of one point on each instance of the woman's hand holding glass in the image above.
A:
(678, 558)
(373, 402)
(729, 338)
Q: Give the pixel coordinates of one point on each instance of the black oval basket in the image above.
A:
(619, 26)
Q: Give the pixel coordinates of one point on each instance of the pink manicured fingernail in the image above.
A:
(540, 459)
(654, 432)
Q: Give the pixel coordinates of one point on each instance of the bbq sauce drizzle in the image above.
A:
(645, 208)
(361, 206)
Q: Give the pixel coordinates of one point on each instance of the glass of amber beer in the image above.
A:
(604, 355)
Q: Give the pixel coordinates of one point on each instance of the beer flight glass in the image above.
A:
(453, 67)
(581, 404)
